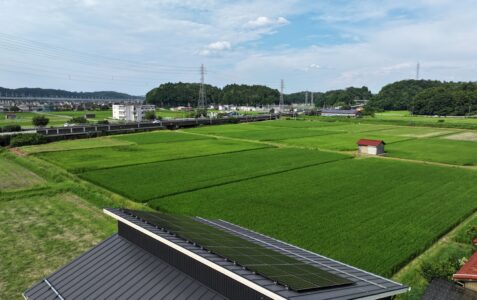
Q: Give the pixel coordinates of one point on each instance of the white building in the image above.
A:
(131, 112)
(371, 147)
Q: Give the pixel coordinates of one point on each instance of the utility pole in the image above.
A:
(282, 86)
(306, 98)
(202, 101)
(417, 70)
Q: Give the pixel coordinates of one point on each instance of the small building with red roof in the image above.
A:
(371, 147)
(467, 275)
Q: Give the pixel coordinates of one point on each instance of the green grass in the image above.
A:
(99, 114)
(42, 233)
(342, 141)
(14, 176)
(418, 132)
(57, 118)
(158, 137)
(75, 145)
(98, 158)
(372, 213)
(299, 123)
(170, 177)
(259, 133)
(436, 150)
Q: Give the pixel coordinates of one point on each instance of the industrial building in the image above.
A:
(371, 147)
(131, 112)
(340, 113)
(161, 256)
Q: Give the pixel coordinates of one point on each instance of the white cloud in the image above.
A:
(365, 44)
(266, 22)
(216, 48)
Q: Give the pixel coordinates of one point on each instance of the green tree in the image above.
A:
(40, 121)
(150, 115)
(78, 120)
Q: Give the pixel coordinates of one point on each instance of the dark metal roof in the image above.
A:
(118, 269)
(442, 289)
(126, 266)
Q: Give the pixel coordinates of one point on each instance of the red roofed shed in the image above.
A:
(371, 147)
(468, 273)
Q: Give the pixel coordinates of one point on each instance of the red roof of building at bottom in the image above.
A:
(365, 142)
(468, 271)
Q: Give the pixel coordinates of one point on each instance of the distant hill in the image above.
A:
(38, 92)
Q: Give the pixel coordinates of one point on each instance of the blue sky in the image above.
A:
(133, 46)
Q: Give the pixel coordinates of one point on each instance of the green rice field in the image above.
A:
(177, 176)
(106, 157)
(351, 210)
(296, 180)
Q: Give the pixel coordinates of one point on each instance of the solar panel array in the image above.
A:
(278, 267)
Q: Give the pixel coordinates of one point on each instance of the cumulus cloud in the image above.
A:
(216, 48)
(266, 22)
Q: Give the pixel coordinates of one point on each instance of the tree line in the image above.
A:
(183, 94)
(428, 97)
(39, 92)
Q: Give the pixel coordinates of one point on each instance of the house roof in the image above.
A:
(442, 289)
(127, 267)
(468, 270)
(119, 269)
(366, 142)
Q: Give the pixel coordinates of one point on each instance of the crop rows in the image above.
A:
(176, 176)
(351, 210)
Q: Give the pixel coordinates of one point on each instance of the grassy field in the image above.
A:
(342, 141)
(176, 176)
(14, 176)
(57, 118)
(42, 233)
(98, 158)
(158, 137)
(436, 150)
(351, 210)
(76, 145)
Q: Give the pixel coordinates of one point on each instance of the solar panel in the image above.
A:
(276, 266)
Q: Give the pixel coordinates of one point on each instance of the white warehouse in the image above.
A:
(131, 112)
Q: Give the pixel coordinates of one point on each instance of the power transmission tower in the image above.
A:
(282, 86)
(418, 66)
(202, 101)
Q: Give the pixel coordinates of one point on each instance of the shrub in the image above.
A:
(40, 121)
(103, 122)
(150, 115)
(78, 120)
(440, 269)
(27, 139)
(5, 140)
(10, 128)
